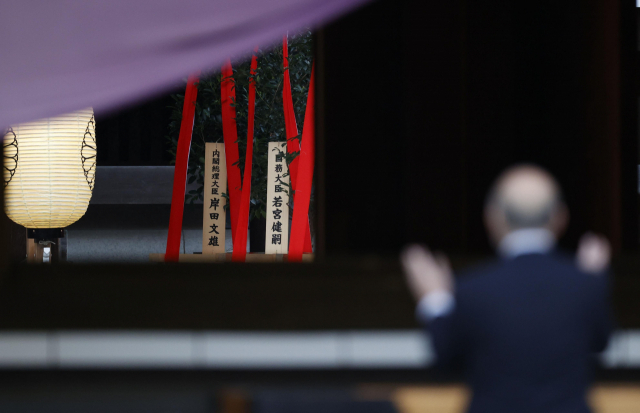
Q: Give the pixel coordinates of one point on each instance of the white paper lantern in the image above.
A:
(49, 170)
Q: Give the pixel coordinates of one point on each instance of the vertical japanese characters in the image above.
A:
(215, 184)
(277, 234)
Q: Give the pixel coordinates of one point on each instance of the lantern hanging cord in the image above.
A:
(7, 149)
(89, 160)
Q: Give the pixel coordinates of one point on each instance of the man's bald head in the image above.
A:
(524, 196)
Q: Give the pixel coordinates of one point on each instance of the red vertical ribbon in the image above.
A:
(230, 134)
(172, 252)
(300, 219)
(240, 240)
(291, 128)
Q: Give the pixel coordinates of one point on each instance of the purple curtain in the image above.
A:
(62, 55)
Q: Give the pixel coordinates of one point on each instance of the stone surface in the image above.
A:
(129, 245)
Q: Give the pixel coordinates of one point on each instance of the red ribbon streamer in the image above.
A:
(300, 219)
(291, 128)
(240, 240)
(230, 135)
(172, 253)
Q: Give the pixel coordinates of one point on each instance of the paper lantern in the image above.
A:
(49, 170)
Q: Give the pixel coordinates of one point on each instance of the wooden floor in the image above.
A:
(604, 398)
(432, 399)
(611, 398)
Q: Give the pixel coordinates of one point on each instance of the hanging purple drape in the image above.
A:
(62, 55)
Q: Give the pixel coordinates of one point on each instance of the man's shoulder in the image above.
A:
(494, 270)
(478, 270)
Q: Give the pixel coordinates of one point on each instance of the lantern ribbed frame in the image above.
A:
(49, 170)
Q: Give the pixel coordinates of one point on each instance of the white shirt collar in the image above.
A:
(526, 241)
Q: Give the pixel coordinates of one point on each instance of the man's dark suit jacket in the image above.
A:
(525, 330)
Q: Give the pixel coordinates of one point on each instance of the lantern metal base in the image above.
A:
(43, 245)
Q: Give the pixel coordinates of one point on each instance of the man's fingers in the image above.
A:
(417, 258)
(412, 258)
(425, 272)
(412, 252)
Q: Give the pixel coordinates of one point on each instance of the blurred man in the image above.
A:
(523, 328)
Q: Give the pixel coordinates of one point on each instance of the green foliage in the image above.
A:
(269, 114)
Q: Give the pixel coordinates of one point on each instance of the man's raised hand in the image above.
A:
(426, 272)
(594, 253)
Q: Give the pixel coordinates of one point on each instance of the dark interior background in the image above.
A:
(136, 135)
(426, 104)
